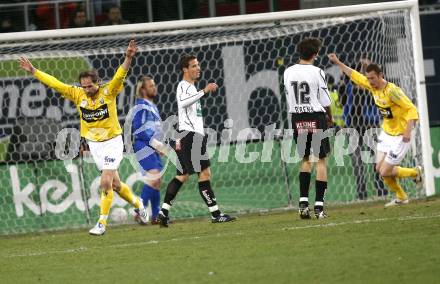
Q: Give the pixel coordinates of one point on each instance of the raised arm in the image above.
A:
(115, 85)
(344, 68)
(68, 91)
(26, 65)
(354, 75)
(129, 54)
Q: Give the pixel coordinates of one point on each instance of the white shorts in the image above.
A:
(394, 148)
(107, 154)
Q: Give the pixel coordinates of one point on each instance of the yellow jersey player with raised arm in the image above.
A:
(399, 117)
(99, 125)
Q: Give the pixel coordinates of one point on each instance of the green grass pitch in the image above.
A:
(356, 244)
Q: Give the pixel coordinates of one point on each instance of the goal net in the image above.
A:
(253, 159)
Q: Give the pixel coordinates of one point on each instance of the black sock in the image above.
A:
(209, 197)
(321, 187)
(304, 184)
(170, 195)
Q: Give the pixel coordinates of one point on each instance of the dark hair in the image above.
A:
(374, 67)
(184, 61)
(92, 74)
(308, 47)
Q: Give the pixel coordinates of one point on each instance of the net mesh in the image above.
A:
(252, 169)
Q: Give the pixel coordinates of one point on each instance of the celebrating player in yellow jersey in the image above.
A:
(96, 104)
(399, 117)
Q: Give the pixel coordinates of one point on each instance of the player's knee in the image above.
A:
(306, 160)
(322, 162)
(205, 174)
(384, 172)
(106, 183)
(377, 168)
(116, 185)
(182, 178)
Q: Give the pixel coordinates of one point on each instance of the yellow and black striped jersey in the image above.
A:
(98, 117)
(394, 106)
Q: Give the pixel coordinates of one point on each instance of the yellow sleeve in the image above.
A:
(117, 82)
(67, 91)
(400, 99)
(360, 80)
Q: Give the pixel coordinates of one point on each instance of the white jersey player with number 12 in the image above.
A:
(309, 100)
(308, 89)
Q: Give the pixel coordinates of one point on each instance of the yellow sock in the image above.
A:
(394, 185)
(126, 194)
(406, 172)
(106, 203)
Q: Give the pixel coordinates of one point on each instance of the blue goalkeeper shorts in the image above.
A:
(147, 157)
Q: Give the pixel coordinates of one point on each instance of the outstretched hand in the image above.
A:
(211, 87)
(364, 63)
(333, 58)
(131, 49)
(26, 65)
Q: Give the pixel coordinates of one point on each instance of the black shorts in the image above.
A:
(306, 124)
(192, 154)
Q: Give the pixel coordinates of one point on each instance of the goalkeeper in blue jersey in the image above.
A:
(147, 132)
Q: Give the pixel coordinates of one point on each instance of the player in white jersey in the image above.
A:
(189, 107)
(191, 148)
(309, 106)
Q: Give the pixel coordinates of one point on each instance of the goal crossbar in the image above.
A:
(206, 22)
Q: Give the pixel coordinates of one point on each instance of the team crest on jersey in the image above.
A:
(385, 112)
(92, 115)
(83, 103)
(101, 101)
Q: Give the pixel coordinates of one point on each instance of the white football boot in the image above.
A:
(397, 202)
(143, 214)
(98, 230)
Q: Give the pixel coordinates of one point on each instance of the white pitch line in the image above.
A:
(153, 242)
(83, 249)
(354, 222)
(40, 253)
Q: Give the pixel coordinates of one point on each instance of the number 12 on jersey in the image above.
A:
(301, 91)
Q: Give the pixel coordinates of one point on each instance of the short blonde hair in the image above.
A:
(140, 83)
